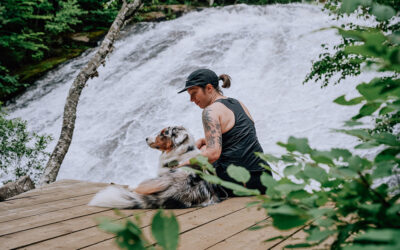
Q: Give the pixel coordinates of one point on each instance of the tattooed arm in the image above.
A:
(213, 134)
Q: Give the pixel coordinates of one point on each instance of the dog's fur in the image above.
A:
(173, 188)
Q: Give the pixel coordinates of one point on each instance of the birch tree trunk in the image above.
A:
(53, 165)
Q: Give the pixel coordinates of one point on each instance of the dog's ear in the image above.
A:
(179, 135)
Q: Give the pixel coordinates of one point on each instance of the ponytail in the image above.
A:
(226, 79)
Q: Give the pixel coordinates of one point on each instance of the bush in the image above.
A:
(337, 193)
(22, 152)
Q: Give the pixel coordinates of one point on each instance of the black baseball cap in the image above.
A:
(201, 77)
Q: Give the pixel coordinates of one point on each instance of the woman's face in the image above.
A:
(199, 96)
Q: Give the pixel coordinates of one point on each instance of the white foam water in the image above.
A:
(267, 50)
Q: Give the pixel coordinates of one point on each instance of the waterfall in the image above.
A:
(267, 50)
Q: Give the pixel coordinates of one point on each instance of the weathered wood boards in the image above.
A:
(56, 216)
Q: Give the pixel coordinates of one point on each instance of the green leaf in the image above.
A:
(211, 179)
(361, 50)
(111, 227)
(387, 139)
(386, 110)
(192, 170)
(275, 238)
(352, 34)
(267, 157)
(383, 169)
(382, 12)
(346, 172)
(285, 222)
(379, 235)
(367, 145)
(298, 144)
(299, 245)
(338, 153)
(268, 181)
(357, 164)
(286, 210)
(203, 162)
(165, 230)
(253, 203)
(352, 123)
(349, 6)
(370, 91)
(360, 133)
(239, 190)
(316, 173)
(368, 109)
(239, 174)
(387, 155)
(291, 170)
(322, 199)
(134, 229)
(324, 222)
(372, 209)
(321, 157)
(298, 194)
(289, 187)
(342, 101)
(316, 235)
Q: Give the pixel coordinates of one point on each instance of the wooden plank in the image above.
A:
(62, 195)
(299, 237)
(51, 188)
(31, 193)
(222, 228)
(247, 239)
(47, 187)
(193, 220)
(36, 235)
(48, 218)
(92, 235)
(37, 209)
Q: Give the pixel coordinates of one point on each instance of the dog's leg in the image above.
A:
(152, 186)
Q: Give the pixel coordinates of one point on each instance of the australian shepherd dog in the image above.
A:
(173, 187)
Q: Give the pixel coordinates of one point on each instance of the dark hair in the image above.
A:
(226, 79)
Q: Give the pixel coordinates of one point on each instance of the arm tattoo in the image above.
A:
(212, 129)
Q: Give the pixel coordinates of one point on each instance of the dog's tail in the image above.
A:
(116, 197)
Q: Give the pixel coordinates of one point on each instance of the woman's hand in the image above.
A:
(200, 143)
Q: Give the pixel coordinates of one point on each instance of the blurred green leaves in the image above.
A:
(129, 234)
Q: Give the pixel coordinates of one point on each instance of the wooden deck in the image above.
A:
(57, 217)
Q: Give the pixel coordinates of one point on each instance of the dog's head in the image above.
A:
(169, 138)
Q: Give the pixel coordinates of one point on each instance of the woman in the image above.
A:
(230, 135)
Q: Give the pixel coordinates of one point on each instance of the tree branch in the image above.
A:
(90, 71)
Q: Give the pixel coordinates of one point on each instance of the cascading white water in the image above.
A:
(267, 50)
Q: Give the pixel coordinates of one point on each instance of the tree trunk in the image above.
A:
(23, 184)
(90, 71)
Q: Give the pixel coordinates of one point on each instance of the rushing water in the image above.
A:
(267, 50)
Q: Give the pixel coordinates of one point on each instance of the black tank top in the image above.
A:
(240, 142)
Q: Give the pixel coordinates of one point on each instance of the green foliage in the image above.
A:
(33, 30)
(66, 17)
(237, 173)
(22, 153)
(331, 64)
(337, 193)
(165, 230)
(129, 235)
